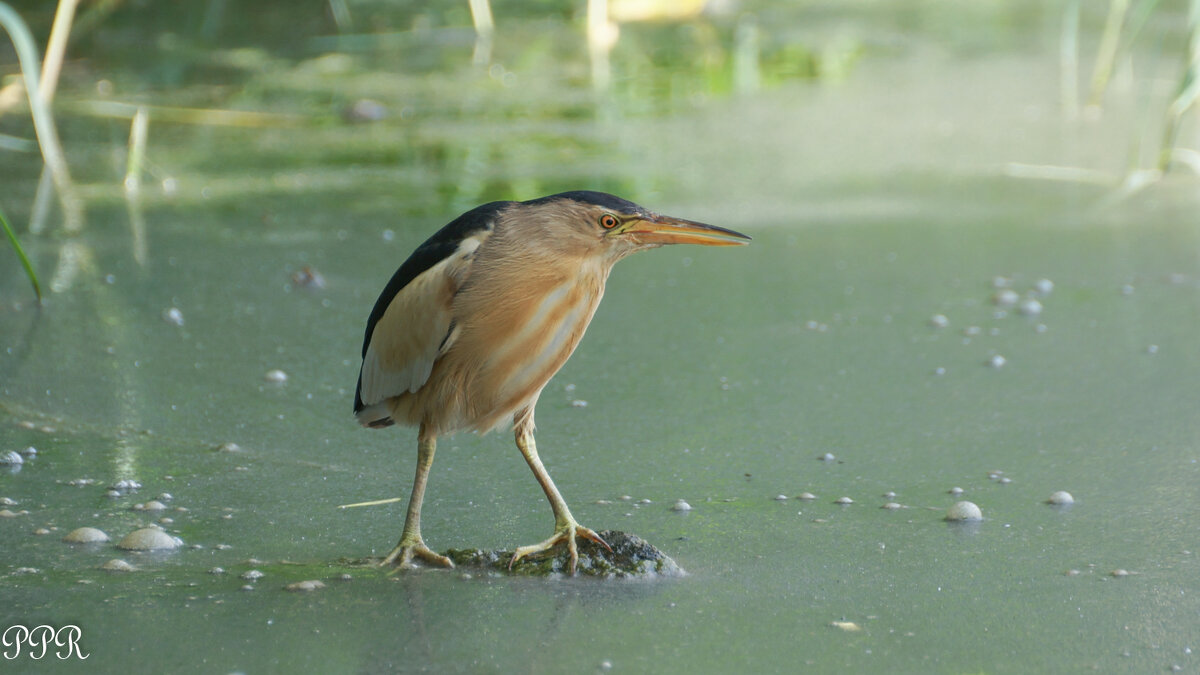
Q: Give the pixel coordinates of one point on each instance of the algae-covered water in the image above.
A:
(947, 288)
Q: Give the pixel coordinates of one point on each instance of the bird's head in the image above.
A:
(596, 223)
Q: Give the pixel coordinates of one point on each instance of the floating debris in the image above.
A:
(275, 376)
(939, 321)
(149, 539)
(11, 457)
(118, 565)
(173, 316)
(1006, 298)
(1061, 498)
(305, 586)
(307, 277)
(85, 535)
(964, 511)
(681, 505)
(1030, 307)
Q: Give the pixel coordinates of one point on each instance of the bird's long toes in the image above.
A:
(592, 536)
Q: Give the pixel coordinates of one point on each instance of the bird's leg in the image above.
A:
(566, 528)
(411, 544)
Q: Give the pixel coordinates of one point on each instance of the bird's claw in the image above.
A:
(402, 556)
(567, 532)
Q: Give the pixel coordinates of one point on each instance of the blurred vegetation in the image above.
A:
(375, 91)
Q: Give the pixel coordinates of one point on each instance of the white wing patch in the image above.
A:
(415, 329)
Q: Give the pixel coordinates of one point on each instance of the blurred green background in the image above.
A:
(976, 265)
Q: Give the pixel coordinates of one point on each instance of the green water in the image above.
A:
(718, 376)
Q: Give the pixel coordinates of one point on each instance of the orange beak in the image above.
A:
(657, 230)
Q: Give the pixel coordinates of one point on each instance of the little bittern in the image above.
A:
(481, 316)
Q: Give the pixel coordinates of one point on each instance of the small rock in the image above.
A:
(1044, 286)
(843, 501)
(827, 457)
(275, 376)
(252, 575)
(939, 321)
(848, 626)
(996, 361)
(891, 506)
(30, 451)
(118, 565)
(173, 316)
(216, 570)
(579, 403)
(1120, 573)
(11, 457)
(964, 511)
(149, 539)
(126, 484)
(681, 505)
(955, 491)
(228, 447)
(154, 505)
(41, 530)
(5, 501)
(7, 513)
(85, 535)
(781, 498)
(806, 496)
(303, 586)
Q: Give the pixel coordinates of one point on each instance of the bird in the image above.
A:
(472, 326)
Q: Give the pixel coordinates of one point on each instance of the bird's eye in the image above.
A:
(608, 221)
